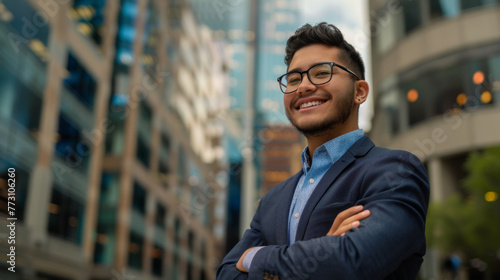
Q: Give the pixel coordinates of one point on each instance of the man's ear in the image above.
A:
(361, 92)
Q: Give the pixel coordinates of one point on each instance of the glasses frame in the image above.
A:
(307, 72)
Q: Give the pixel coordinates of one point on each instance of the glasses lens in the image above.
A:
(290, 82)
(320, 74)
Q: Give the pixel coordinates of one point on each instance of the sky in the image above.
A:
(351, 17)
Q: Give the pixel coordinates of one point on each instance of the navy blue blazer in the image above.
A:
(389, 244)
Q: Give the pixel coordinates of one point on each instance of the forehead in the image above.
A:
(309, 55)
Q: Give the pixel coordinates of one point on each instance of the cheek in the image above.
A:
(287, 99)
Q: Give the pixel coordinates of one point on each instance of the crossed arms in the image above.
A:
(344, 222)
(391, 241)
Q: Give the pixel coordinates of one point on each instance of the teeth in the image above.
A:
(310, 104)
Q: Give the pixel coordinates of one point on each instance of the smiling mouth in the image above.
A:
(311, 104)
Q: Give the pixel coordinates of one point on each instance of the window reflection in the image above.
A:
(106, 223)
(65, 216)
(139, 199)
(80, 82)
(71, 145)
(143, 150)
(151, 38)
(157, 262)
(388, 28)
(468, 4)
(160, 216)
(126, 35)
(447, 8)
(19, 103)
(412, 15)
(464, 85)
(135, 251)
(89, 15)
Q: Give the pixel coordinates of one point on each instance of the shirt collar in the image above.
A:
(332, 149)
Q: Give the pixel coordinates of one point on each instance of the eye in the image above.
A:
(322, 74)
(293, 80)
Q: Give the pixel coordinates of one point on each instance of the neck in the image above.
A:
(317, 139)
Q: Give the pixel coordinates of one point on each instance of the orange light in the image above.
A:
(102, 238)
(53, 209)
(486, 97)
(461, 99)
(156, 253)
(134, 248)
(73, 221)
(478, 77)
(412, 95)
(491, 196)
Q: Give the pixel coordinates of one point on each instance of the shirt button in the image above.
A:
(296, 215)
(311, 180)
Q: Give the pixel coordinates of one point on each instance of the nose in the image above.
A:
(306, 85)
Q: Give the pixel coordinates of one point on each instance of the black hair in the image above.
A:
(327, 34)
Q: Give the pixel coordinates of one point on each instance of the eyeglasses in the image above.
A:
(318, 74)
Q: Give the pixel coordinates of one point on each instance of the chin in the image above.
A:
(310, 129)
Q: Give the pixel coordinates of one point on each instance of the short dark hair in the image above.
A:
(327, 34)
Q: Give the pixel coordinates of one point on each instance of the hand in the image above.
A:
(347, 220)
(239, 265)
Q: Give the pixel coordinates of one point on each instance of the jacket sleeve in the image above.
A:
(251, 238)
(395, 189)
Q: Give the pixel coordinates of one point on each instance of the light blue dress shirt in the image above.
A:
(324, 156)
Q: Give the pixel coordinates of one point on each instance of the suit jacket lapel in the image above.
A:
(284, 209)
(360, 148)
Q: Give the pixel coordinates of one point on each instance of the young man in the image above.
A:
(291, 235)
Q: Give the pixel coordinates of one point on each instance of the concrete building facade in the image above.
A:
(111, 116)
(436, 86)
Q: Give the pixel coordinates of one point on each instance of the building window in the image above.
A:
(27, 27)
(142, 151)
(190, 250)
(476, 83)
(125, 35)
(182, 173)
(135, 251)
(115, 137)
(446, 8)
(110, 184)
(175, 266)
(144, 133)
(468, 4)
(71, 145)
(106, 223)
(139, 199)
(89, 15)
(161, 213)
(432, 94)
(80, 82)
(65, 216)
(19, 103)
(157, 262)
(412, 15)
(21, 181)
(390, 105)
(151, 39)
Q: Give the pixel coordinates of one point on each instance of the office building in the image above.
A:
(111, 116)
(436, 86)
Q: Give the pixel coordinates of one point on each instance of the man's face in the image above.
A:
(314, 109)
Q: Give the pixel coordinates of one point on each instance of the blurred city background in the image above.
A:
(144, 132)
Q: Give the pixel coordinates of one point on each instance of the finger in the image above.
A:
(349, 223)
(352, 222)
(344, 215)
(343, 229)
(358, 217)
